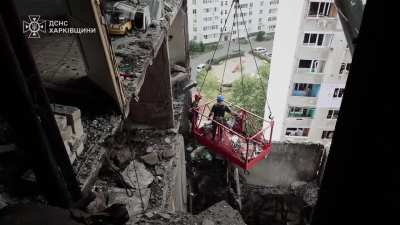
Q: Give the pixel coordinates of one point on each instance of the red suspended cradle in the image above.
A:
(247, 139)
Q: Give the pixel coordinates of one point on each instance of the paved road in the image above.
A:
(202, 58)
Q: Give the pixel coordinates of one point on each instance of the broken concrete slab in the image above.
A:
(121, 157)
(207, 222)
(286, 164)
(66, 133)
(144, 176)
(150, 159)
(61, 121)
(169, 152)
(133, 203)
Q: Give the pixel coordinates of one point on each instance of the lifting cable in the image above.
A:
(216, 47)
(227, 54)
(255, 61)
(236, 15)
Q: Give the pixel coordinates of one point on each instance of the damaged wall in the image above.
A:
(155, 98)
(283, 187)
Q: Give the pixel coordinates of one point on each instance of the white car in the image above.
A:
(260, 50)
(267, 54)
(201, 67)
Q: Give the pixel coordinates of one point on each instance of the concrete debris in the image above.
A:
(149, 149)
(133, 203)
(150, 159)
(98, 204)
(168, 153)
(178, 68)
(149, 214)
(165, 215)
(167, 140)
(121, 157)
(207, 222)
(144, 176)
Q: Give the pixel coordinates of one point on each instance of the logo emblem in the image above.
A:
(34, 26)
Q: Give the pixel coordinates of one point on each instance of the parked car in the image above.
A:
(260, 50)
(201, 67)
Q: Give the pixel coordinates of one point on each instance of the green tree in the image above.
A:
(248, 93)
(260, 36)
(211, 84)
(202, 47)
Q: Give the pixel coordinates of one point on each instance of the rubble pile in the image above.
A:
(220, 213)
(138, 171)
(69, 123)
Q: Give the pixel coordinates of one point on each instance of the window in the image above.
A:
(315, 39)
(194, 11)
(261, 11)
(226, 12)
(314, 66)
(272, 11)
(194, 2)
(259, 27)
(344, 68)
(261, 3)
(259, 19)
(226, 2)
(307, 112)
(206, 10)
(327, 134)
(299, 132)
(194, 37)
(272, 18)
(205, 36)
(195, 29)
(251, 4)
(338, 92)
(305, 89)
(250, 13)
(322, 9)
(249, 21)
(332, 114)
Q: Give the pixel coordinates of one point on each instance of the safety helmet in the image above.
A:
(220, 98)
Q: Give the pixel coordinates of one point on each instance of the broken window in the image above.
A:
(327, 134)
(314, 39)
(344, 68)
(314, 66)
(299, 132)
(306, 89)
(338, 92)
(307, 112)
(322, 9)
(333, 114)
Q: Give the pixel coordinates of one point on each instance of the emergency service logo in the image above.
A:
(34, 26)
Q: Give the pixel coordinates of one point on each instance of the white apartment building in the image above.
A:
(206, 19)
(308, 71)
(271, 15)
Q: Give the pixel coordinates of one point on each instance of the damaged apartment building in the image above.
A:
(94, 126)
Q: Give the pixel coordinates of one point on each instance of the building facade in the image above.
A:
(308, 71)
(206, 19)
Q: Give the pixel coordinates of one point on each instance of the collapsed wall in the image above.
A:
(283, 187)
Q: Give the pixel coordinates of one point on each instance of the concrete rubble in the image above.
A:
(69, 123)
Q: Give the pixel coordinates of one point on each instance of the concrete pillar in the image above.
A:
(155, 107)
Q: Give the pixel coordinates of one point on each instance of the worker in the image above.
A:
(218, 115)
(193, 112)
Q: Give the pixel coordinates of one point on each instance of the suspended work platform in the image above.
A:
(243, 140)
